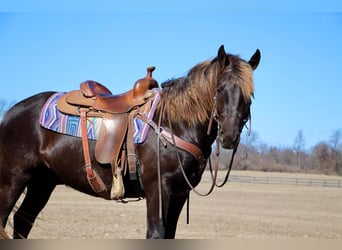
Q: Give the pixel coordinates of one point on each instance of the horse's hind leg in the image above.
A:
(8, 198)
(37, 195)
(10, 191)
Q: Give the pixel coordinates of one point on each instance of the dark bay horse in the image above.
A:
(37, 159)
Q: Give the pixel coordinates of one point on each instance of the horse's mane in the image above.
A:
(191, 98)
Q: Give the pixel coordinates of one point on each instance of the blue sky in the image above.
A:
(298, 82)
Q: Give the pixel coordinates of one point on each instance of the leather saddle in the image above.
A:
(99, 99)
(116, 110)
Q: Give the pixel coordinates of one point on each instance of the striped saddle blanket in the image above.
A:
(51, 118)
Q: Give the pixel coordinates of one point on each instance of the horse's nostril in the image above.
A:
(228, 143)
(221, 131)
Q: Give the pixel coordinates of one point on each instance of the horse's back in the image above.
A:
(27, 107)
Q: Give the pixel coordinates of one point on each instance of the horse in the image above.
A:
(212, 102)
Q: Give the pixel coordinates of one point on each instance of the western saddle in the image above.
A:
(116, 132)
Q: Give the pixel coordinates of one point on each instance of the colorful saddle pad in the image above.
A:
(51, 118)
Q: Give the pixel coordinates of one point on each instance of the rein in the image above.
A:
(178, 142)
(214, 171)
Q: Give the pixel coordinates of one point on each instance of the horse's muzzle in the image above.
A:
(228, 142)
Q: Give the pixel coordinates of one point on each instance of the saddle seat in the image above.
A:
(93, 89)
(95, 95)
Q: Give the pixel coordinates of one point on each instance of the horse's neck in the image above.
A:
(191, 124)
(196, 134)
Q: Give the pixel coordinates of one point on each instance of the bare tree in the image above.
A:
(299, 144)
(287, 156)
(322, 157)
(273, 154)
(249, 141)
(336, 149)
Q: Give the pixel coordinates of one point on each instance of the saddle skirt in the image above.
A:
(51, 118)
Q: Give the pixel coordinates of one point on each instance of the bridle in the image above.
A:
(163, 135)
(213, 168)
(214, 116)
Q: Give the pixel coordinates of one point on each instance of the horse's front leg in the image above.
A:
(163, 224)
(174, 209)
(155, 221)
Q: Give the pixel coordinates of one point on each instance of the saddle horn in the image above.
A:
(146, 83)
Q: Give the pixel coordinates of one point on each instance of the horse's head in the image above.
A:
(234, 92)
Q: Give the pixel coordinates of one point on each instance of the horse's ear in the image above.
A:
(222, 57)
(255, 59)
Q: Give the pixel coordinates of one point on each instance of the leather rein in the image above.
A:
(177, 142)
(189, 147)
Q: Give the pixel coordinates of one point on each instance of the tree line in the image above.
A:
(323, 158)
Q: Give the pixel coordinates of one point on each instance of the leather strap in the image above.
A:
(131, 156)
(187, 146)
(165, 135)
(94, 179)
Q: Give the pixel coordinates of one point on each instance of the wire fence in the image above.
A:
(295, 181)
(286, 181)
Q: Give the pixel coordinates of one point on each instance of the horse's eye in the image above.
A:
(219, 89)
(244, 120)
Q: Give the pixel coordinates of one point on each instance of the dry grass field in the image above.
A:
(238, 210)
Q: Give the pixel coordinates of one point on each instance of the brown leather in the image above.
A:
(125, 102)
(65, 104)
(95, 100)
(187, 146)
(122, 103)
(132, 158)
(92, 88)
(94, 180)
(98, 97)
(111, 137)
(142, 85)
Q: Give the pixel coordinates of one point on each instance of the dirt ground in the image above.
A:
(247, 211)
